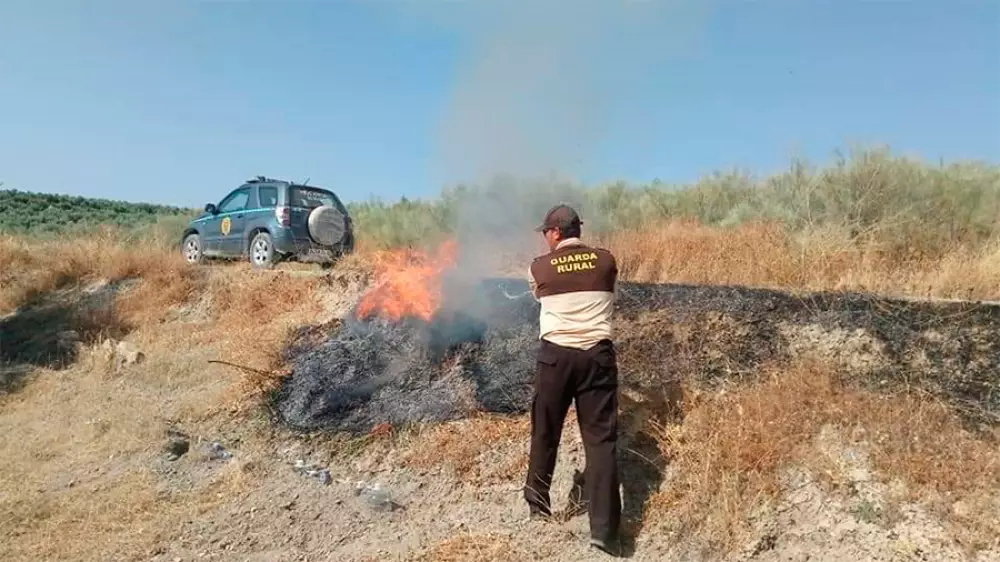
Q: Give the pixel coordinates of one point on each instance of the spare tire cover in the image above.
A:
(326, 225)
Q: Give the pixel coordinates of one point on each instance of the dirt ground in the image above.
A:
(87, 473)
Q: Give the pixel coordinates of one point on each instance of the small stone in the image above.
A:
(216, 451)
(859, 475)
(961, 509)
(324, 477)
(127, 354)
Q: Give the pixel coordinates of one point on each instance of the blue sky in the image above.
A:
(179, 101)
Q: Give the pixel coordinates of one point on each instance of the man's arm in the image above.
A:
(532, 283)
(614, 274)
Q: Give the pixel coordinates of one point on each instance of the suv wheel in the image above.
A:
(191, 249)
(262, 251)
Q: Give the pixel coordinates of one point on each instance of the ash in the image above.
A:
(478, 352)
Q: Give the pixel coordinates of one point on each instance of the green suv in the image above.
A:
(267, 221)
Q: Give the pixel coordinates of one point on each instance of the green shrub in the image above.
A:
(870, 195)
(43, 215)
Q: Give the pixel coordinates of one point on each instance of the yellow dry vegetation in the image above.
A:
(726, 456)
(468, 547)
(730, 450)
(765, 254)
(92, 420)
(462, 445)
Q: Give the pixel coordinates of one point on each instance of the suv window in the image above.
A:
(268, 196)
(310, 198)
(236, 201)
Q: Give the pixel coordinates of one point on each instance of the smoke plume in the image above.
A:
(528, 98)
(535, 91)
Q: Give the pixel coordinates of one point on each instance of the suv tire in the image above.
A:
(262, 251)
(191, 249)
(326, 225)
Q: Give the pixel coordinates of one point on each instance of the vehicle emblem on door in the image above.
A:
(227, 225)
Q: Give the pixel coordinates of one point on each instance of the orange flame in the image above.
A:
(408, 283)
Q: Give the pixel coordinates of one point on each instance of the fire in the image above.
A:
(408, 283)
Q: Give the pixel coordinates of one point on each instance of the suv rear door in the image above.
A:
(302, 200)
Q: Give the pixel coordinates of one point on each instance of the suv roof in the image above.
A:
(287, 184)
(262, 179)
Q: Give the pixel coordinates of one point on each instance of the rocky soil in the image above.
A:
(291, 515)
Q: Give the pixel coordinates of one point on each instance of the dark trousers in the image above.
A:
(591, 379)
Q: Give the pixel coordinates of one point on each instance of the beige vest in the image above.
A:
(575, 285)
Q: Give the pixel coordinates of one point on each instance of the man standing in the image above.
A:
(575, 285)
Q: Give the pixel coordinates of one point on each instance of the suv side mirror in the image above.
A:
(210, 209)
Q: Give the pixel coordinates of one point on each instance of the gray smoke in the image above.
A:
(528, 99)
(524, 111)
(534, 91)
(532, 97)
(539, 81)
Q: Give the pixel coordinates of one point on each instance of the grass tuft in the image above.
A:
(729, 454)
(469, 547)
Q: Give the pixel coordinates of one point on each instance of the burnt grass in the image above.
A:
(477, 354)
(49, 330)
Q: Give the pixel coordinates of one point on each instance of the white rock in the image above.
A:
(127, 354)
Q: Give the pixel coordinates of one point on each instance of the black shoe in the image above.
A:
(539, 515)
(608, 547)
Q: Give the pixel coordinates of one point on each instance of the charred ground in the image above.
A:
(477, 353)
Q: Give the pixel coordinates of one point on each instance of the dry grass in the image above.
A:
(758, 254)
(487, 547)
(727, 455)
(767, 255)
(75, 478)
(483, 449)
(731, 449)
(30, 269)
(249, 313)
(254, 311)
(64, 525)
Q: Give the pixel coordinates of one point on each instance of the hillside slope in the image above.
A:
(144, 450)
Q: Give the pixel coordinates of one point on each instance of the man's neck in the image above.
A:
(569, 242)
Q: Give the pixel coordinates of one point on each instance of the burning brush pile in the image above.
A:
(427, 343)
